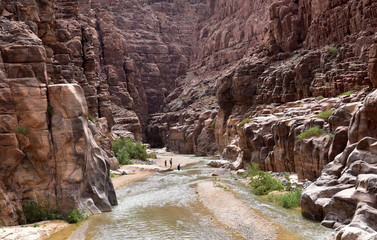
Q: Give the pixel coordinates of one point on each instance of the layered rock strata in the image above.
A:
(256, 69)
(344, 197)
(49, 154)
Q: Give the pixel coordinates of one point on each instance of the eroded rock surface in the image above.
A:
(49, 153)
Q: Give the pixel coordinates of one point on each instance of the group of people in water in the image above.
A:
(171, 164)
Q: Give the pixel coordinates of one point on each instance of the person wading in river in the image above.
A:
(166, 164)
(179, 167)
(171, 162)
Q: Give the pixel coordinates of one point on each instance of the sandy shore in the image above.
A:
(234, 213)
(41, 230)
(140, 172)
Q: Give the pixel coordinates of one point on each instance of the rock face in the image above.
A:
(49, 153)
(344, 197)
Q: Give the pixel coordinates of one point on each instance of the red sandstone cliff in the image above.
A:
(237, 78)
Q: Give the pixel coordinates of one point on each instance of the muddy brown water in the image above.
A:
(165, 206)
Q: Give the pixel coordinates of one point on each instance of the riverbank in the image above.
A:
(233, 212)
(140, 172)
(35, 231)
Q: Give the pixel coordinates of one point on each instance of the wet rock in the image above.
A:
(218, 163)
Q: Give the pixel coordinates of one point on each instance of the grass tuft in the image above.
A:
(90, 117)
(212, 125)
(331, 49)
(287, 200)
(244, 121)
(325, 114)
(311, 132)
(347, 93)
(22, 130)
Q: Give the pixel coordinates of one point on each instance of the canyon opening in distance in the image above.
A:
(282, 90)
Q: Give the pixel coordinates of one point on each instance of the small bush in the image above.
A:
(35, 212)
(212, 125)
(125, 149)
(320, 97)
(152, 156)
(325, 114)
(50, 109)
(331, 49)
(75, 216)
(253, 170)
(287, 200)
(244, 121)
(22, 130)
(347, 93)
(90, 117)
(311, 132)
(264, 182)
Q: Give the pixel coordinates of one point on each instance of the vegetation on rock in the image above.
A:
(244, 121)
(22, 130)
(331, 49)
(325, 114)
(125, 150)
(311, 132)
(346, 93)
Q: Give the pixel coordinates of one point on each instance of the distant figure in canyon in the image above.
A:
(179, 167)
(171, 162)
(166, 163)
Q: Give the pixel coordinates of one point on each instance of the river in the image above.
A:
(166, 206)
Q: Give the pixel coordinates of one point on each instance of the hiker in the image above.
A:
(171, 162)
(179, 167)
(166, 164)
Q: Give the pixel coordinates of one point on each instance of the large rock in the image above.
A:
(84, 180)
(49, 154)
(344, 196)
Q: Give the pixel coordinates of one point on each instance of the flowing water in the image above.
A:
(165, 206)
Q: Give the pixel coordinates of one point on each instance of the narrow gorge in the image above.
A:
(240, 80)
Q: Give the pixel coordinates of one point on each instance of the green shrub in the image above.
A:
(325, 114)
(347, 93)
(212, 125)
(253, 170)
(331, 49)
(90, 117)
(264, 182)
(50, 109)
(320, 97)
(125, 149)
(287, 200)
(22, 130)
(244, 121)
(152, 156)
(311, 132)
(76, 216)
(35, 212)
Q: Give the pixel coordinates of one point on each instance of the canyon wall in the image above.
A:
(48, 150)
(277, 64)
(261, 74)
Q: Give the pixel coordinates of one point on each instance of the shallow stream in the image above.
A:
(165, 206)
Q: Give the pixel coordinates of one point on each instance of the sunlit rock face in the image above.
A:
(48, 151)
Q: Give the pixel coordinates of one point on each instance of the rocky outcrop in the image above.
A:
(50, 155)
(275, 67)
(344, 197)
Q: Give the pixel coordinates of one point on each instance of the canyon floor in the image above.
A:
(212, 197)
